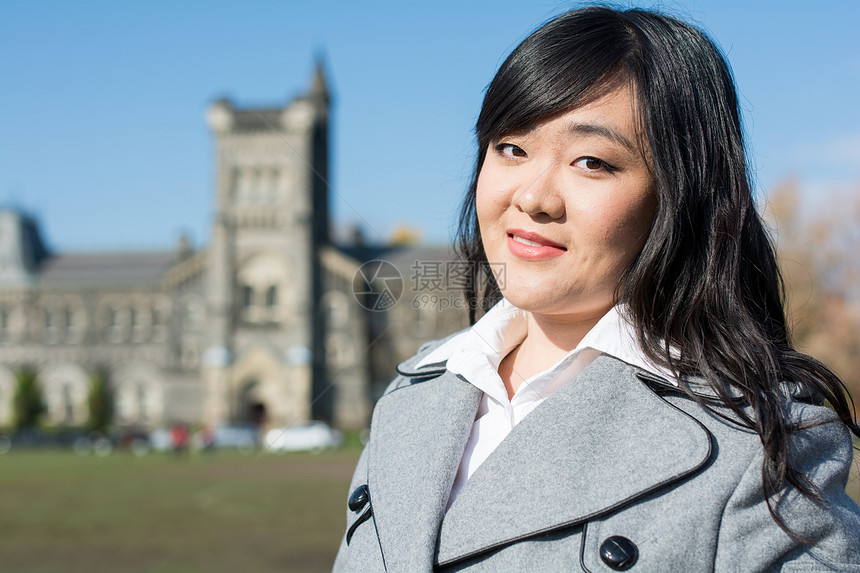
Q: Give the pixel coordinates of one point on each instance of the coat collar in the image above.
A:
(619, 441)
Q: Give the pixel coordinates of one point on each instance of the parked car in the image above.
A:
(242, 438)
(159, 440)
(310, 436)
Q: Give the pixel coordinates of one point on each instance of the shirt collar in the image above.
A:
(504, 327)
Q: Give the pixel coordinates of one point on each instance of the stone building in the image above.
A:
(260, 327)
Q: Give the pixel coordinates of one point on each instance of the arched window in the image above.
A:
(52, 326)
(143, 406)
(160, 312)
(275, 184)
(74, 321)
(65, 388)
(117, 321)
(70, 319)
(336, 308)
(12, 323)
(193, 311)
(247, 297)
(256, 186)
(272, 303)
(188, 353)
(4, 325)
(68, 405)
(140, 320)
(239, 183)
(139, 400)
(265, 288)
(340, 351)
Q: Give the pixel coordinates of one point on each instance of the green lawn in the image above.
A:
(228, 512)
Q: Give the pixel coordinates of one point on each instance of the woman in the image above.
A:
(633, 401)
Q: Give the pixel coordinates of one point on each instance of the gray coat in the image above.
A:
(618, 454)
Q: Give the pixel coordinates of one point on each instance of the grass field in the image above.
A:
(227, 512)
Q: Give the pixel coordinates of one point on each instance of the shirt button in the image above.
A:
(359, 498)
(619, 553)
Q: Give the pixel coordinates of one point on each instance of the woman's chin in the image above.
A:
(536, 301)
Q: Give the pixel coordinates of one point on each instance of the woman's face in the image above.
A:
(566, 207)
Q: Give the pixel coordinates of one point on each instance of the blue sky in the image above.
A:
(102, 131)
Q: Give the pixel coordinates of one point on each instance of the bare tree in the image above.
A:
(818, 239)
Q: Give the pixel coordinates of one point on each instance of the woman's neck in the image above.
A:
(548, 339)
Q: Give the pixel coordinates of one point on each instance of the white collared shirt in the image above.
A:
(475, 356)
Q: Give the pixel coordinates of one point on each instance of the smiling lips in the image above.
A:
(533, 247)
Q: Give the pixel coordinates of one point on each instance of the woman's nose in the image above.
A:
(539, 196)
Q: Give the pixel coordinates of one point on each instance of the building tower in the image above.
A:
(265, 357)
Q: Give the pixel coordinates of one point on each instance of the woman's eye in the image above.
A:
(510, 150)
(592, 164)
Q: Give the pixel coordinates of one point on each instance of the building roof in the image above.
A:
(107, 269)
(403, 257)
(408, 257)
(364, 252)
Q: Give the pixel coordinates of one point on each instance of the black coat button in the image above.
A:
(619, 552)
(359, 498)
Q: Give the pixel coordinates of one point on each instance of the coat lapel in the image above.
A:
(419, 432)
(598, 443)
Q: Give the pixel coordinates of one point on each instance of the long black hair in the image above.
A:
(706, 283)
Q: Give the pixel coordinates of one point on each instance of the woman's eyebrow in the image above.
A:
(601, 131)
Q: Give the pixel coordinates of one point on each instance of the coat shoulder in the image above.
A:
(821, 450)
(408, 372)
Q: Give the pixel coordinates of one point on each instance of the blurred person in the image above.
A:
(179, 438)
(632, 399)
(207, 438)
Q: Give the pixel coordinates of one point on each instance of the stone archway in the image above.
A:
(66, 389)
(250, 404)
(260, 376)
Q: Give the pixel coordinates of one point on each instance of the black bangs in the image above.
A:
(569, 62)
